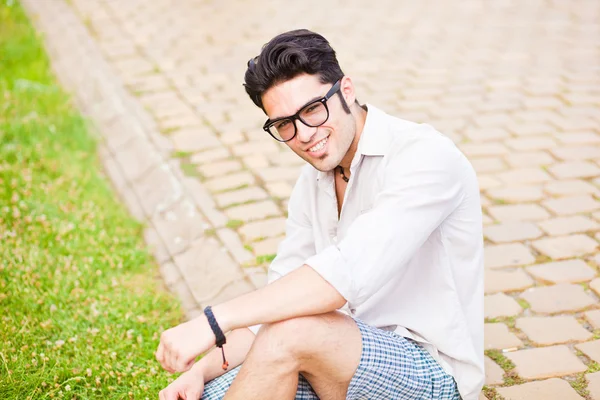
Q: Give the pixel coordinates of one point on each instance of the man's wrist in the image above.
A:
(199, 370)
(223, 318)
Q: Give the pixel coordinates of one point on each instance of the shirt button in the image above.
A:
(353, 311)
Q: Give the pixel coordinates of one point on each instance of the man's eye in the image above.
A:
(282, 124)
(311, 108)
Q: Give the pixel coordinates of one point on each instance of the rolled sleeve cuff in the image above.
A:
(331, 265)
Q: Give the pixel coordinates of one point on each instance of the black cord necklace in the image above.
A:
(344, 177)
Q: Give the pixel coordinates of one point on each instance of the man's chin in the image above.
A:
(321, 166)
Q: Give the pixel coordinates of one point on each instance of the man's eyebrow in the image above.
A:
(301, 107)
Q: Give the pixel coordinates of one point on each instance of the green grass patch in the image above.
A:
(508, 321)
(500, 359)
(182, 154)
(580, 385)
(523, 303)
(234, 223)
(210, 232)
(593, 366)
(490, 393)
(82, 308)
(510, 377)
(190, 170)
(265, 258)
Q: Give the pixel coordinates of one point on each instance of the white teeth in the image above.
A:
(319, 145)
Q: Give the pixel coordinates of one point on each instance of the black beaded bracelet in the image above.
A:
(219, 335)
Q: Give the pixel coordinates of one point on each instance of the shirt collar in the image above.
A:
(374, 139)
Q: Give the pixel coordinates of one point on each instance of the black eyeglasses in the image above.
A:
(312, 114)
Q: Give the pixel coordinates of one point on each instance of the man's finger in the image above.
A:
(159, 353)
(192, 395)
(168, 360)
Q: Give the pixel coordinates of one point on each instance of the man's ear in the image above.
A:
(347, 89)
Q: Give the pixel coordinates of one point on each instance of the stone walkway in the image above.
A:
(515, 84)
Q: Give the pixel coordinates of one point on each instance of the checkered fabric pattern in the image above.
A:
(215, 389)
(391, 367)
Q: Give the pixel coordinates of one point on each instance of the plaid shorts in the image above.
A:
(391, 367)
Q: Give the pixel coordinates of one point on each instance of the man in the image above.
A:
(377, 290)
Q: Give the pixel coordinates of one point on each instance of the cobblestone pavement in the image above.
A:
(516, 84)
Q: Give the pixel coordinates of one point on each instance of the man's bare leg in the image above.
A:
(326, 349)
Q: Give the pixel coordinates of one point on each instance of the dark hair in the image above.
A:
(288, 55)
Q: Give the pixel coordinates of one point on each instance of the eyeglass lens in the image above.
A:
(313, 115)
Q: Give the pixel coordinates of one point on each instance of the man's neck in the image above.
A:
(360, 116)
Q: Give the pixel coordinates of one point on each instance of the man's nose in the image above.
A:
(304, 132)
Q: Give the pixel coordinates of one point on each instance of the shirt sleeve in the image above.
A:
(421, 187)
(299, 243)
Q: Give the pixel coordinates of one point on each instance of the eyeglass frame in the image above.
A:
(323, 100)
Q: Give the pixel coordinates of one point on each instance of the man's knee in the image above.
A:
(300, 336)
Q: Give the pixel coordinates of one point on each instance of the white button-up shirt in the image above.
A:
(407, 249)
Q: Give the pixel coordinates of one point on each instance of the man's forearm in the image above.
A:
(300, 293)
(238, 344)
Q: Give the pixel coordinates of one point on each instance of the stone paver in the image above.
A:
(566, 225)
(494, 375)
(574, 169)
(572, 205)
(507, 255)
(570, 187)
(575, 152)
(549, 389)
(553, 330)
(219, 168)
(595, 286)
(267, 246)
(506, 281)
(557, 298)
(518, 212)
(244, 195)
(525, 159)
(545, 362)
(516, 194)
(497, 336)
(253, 211)
(590, 349)
(569, 271)
(531, 143)
(165, 91)
(511, 232)
(566, 246)
(500, 305)
(593, 317)
(524, 176)
(230, 182)
(594, 385)
(187, 140)
(263, 229)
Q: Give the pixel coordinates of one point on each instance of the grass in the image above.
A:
(500, 359)
(81, 305)
(234, 223)
(265, 258)
(189, 170)
(580, 385)
(523, 303)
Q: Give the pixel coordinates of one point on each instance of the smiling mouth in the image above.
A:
(319, 145)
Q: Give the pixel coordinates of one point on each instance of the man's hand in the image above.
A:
(179, 346)
(189, 386)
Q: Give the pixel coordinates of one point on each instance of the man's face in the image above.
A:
(324, 146)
